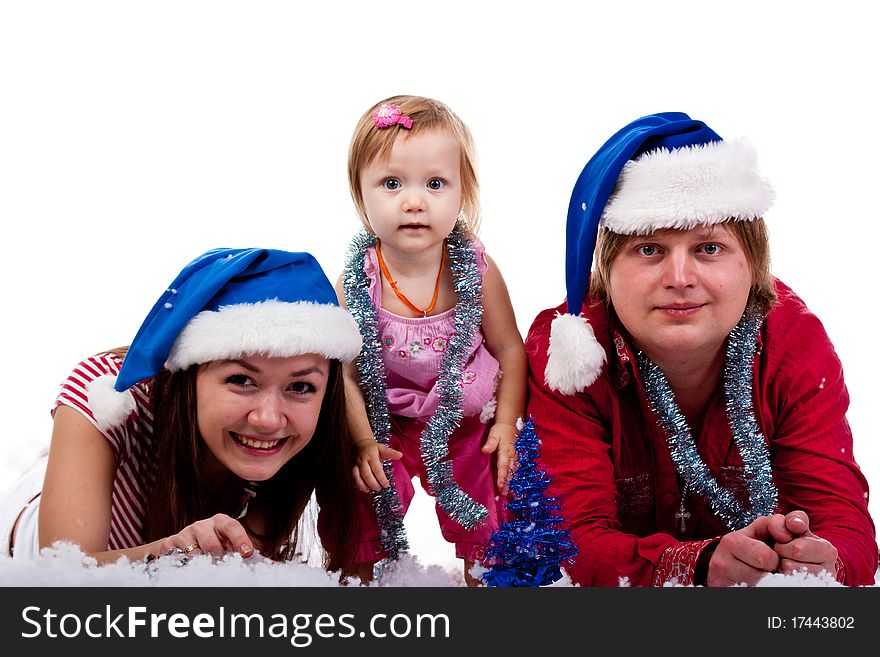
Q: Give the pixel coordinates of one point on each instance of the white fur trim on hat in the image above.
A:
(686, 187)
(109, 407)
(575, 357)
(273, 328)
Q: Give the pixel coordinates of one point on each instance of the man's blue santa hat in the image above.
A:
(661, 171)
(225, 304)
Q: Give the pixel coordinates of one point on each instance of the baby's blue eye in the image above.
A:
(436, 184)
(391, 184)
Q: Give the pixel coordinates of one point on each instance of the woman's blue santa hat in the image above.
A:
(661, 171)
(225, 304)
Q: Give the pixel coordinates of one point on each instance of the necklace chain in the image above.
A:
(249, 493)
(400, 295)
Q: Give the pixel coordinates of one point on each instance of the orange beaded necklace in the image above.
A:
(400, 295)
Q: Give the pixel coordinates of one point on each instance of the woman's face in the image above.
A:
(256, 413)
(680, 293)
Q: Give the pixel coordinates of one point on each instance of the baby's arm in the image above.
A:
(369, 453)
(505, 343)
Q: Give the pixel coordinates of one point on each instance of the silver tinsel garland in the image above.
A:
(738, 382)
(434, 445)
(372, 381)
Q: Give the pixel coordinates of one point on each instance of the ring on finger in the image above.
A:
(190, 548)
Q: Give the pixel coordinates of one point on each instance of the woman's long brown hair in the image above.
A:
(177, 497)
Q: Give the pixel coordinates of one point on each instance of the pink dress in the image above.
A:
(412, 350)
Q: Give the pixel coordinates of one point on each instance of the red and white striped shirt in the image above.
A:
(132, 444)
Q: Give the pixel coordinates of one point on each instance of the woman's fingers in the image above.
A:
(219, 535)
(233, 534)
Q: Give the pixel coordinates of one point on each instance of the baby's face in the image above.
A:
(413, 198)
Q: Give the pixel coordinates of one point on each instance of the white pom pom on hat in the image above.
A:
(109, 407)
(576, 358)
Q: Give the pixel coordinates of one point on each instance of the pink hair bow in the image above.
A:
(387, 115)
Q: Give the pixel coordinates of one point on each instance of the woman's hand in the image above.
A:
(502, 439)
(218, 535)
(368, 472)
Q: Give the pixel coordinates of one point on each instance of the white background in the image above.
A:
(136, 135)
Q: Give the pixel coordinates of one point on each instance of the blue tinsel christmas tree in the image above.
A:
(529, 547)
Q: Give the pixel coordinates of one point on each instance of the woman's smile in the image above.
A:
(258, 445)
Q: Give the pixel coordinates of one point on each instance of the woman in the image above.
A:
(691, 409)
(210, 433)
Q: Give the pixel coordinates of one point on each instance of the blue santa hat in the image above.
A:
(228, 303)
(661, 171)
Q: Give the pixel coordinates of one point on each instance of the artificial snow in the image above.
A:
(65, 565)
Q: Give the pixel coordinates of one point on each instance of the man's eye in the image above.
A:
(391, 184)
(711, 249)
(435, 184)
(647, 249)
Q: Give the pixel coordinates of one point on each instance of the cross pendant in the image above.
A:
(682, 515)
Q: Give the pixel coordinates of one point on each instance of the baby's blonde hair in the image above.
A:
(369, 142)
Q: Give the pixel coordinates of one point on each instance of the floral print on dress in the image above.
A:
(468, 377)
(415, 347)
(440, 343)
(388, 341)
(401, 353)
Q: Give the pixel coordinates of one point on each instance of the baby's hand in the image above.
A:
(501, 439)
(368, 472)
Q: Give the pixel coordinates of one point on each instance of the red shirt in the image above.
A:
(610, 465)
